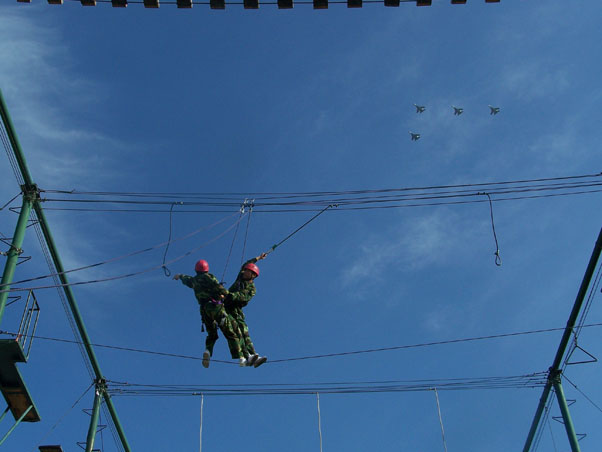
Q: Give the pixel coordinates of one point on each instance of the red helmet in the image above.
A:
(202, 266)
(254, 268)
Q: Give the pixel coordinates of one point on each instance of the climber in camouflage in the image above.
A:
(210, 295)
(240, 293)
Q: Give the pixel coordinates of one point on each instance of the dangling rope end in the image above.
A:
(166, 271)
(498, 259)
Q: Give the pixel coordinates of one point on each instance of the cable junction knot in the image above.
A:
(247, 205)
(30, 192)
(18, 251)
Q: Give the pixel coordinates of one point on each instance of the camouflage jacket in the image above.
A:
(206, 287)
(241, 292)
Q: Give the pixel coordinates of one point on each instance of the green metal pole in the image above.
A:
(13, 253)
(4, 414)
(20, 156)
(94, 419)
(542, 403)
(587, 277)
(16, 423)
(566, 415)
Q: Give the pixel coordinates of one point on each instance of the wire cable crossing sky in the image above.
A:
(379, 159)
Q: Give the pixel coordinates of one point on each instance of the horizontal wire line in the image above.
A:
(129, 275)
(124, 256)
(329, 355)
(510, 382)
(256, 194)
(340, 201)
(356, 193)
(434, 381)
(581, 392)
(341, 208)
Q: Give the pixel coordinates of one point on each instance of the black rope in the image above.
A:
(164, 267)
(124, 256)
(300, 227)
(348, 206)
(127, 275)
(244, 245)
(242, 212)
(62, 417)
(8, 203)
(498, 259)
(582, 393)
(299, 358)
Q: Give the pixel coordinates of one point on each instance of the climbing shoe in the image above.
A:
(251, 359)
(206, 359)
(260, 360)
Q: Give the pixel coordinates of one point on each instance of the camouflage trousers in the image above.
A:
(246, 344)
(215, 317)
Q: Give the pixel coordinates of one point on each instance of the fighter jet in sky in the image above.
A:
(494, 110)
(419, 108)
(415, 136)
(458, 111)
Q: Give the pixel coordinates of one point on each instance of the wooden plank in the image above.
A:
(251, 4)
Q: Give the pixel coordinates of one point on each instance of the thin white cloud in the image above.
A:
(530, 80)
(418, 242)
(41, 89)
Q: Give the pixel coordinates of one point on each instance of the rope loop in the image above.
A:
(164, 267)
(498, 259)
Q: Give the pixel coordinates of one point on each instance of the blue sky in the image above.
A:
(168, 100)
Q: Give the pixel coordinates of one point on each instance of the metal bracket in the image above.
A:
(558, 419)
(32, 223)
(82, 446)
(593, 360)
(13, 298)
(23, 259)
(31, 191)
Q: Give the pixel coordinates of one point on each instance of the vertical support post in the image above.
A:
(555, 367)
(20, 158)
(16, 423)
(4, 414)
(440, 419)
(13, 253)
(94, 417)
(566, 415)
(319, 420)
(543, 400)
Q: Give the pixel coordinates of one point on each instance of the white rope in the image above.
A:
(201, 427)
(319, 420)
(440, 420)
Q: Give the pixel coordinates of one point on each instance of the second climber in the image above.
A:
(210, 296)
(240, 293)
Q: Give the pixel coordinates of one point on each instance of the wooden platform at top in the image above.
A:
(12, 384)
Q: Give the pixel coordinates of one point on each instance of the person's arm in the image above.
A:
(186, 280)
(242, 297)
(254, 260)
